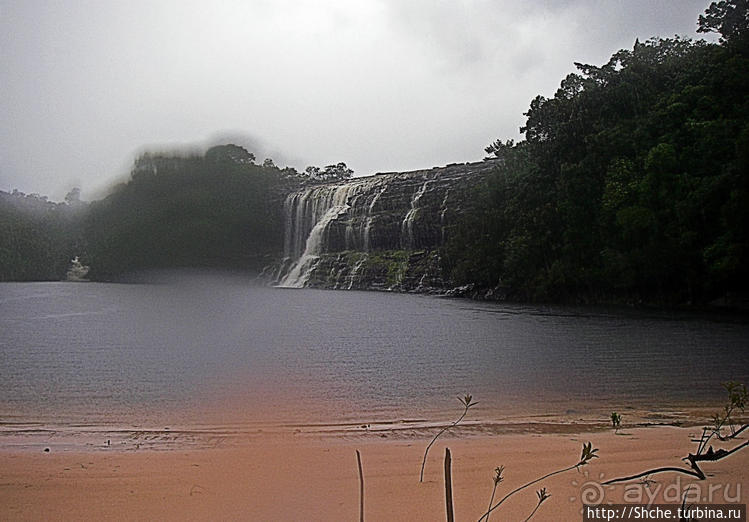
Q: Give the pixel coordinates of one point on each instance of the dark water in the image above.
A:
(87, 352)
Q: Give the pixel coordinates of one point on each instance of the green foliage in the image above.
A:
(500, 149)
(38, 238)
(229, 154)
(393, 263)
(542, 495)
(498, 478)
(737, 395)
(588, 454)
(467, 401)
(632, 184)
(335, 172)
(217, 210)
(729, 18)
(737, 399)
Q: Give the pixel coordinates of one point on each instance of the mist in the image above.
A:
(383, 86)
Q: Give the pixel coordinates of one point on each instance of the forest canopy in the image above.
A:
(632, 182)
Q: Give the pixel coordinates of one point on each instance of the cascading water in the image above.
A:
(443, 211)
(367, 215)
(355, 271)
(317, 207)
(370, 209)
(309, 214)
(407, 227)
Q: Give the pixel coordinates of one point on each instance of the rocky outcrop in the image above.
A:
(376, 232)
(391, 270)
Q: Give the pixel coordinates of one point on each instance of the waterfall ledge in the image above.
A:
(381, 232)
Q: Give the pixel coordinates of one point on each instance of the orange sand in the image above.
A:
(283, 477)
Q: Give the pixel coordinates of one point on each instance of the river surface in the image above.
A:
(203, 349)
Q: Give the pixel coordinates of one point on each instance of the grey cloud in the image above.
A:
(380, 84)
(465, 32)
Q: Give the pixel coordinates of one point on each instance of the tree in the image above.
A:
(729, 18)
(499, 149)
(338, 171)
(631, 182)
(312, 172)
(73, 197)
(229, 153)
(216, 210)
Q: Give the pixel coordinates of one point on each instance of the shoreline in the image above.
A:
(132, 434)
(720, 309)
(283, 477)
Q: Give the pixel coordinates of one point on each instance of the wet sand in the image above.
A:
(224, 428)
(298, 475)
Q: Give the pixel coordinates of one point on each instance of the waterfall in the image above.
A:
(310, 213)
(370, 209)
(407, 227)
(367, 215)
(443, 210)
(317, 207)
(355, 271)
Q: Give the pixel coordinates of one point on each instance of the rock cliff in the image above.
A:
(377, 232)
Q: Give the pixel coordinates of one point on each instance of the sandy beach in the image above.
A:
(283, 476)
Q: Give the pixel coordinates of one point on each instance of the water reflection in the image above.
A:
(222, 344)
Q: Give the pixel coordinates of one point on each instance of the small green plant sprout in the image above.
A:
(588, 454)
(497, 479)
(616, 421)
(737, 400)
(498, 475)
(542, 496)
(467, 402)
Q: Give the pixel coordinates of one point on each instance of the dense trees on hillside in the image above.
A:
(37, 237)
(632, 181)
(219, 210)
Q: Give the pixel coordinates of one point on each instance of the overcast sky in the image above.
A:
(380, 84)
